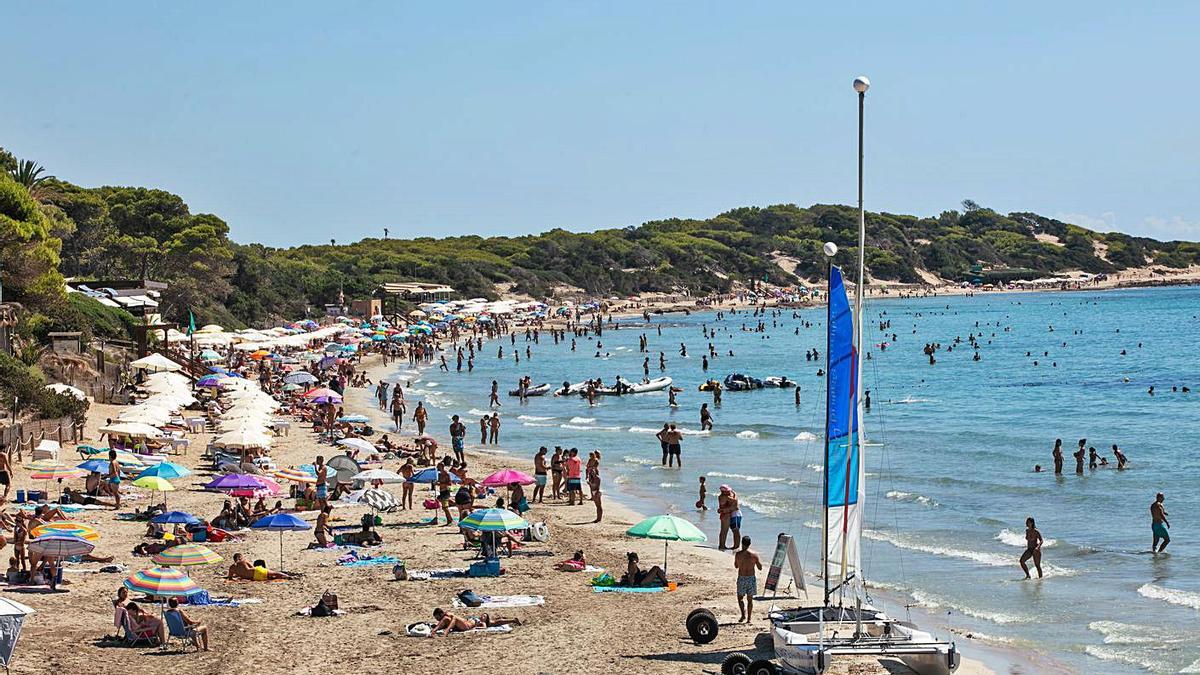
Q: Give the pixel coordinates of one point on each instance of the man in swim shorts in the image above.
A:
(458, 435)
(539, 475)
(747, 563)
(1159, 524)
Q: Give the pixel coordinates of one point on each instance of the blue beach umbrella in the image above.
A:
(430, 475)
(353, 419)
(281, 522)
(166, 470)
(95, 465)
(175, 517)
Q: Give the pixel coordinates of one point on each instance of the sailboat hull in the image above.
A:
(808, 640)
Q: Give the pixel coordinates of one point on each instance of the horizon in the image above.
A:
(478, 120)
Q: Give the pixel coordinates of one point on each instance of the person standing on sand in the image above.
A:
(539, 475)
(322, 487)
(1159, 524)
(727, 509)
(746, 562)
(1033, 548)
(6, 472)
(556, 473)
(593, 478)
(420, 416)
(494, 429)
(703, 494)
(574, 470)
(705, 418)
(458, 433)
(483, 429)
(1058, 456)
(406, 489)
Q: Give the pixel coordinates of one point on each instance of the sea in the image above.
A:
(950, 454)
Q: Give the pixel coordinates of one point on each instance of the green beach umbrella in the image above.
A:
(493, 520)
(667, 528)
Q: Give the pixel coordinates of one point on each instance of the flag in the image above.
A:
(191, 323)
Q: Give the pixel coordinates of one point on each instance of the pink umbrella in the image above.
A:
(507, 477)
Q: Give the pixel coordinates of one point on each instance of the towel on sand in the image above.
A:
(307, 611)
(505, 601)
(630, 589)
(426, 575)
(347, 561)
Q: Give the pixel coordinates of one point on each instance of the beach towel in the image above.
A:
(632, 589)
(426, 575)
(422, 630)
(307, 611)
(505, 601)
(370, 562)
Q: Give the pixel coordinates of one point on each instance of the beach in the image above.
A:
(575, 631)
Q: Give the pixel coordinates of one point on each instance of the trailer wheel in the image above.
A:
(702, 626)
(761, 667)
(736, 663)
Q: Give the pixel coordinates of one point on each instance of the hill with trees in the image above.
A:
(50, 228)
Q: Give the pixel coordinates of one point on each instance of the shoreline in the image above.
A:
(997, 659)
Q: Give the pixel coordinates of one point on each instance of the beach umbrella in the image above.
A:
(234, 481)
(175, 517)
(155, 363)
(373, 497)
(291, 387)
(243, 438)
(94, 466)
(430, 475)
(81, 530)
(155, 484)
(167, 470)
(379, 475)
(358, 444)
(507, 477)
(132, 429)
(668, 528)
(323, 395)
(296, 475)
(281, 522)
(67, 389)
(60, 545)
(210, 355)
(493, 520)
(151, 415)
(57, 472)
(209, 381)
(162, 582)
(12, 615)
(186, 555)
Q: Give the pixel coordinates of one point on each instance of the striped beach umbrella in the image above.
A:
(81, 530)
(493, 520)
(161, 581)
(186, 555)
(57, 472)
(296, 475)
(60, 545)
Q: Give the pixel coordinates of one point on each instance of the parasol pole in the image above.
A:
(666, 544)
(281, 550)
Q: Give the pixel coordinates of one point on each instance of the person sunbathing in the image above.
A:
(241, 569)
(450, 623)
(636, 576)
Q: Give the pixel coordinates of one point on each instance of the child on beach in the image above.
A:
(703, 493)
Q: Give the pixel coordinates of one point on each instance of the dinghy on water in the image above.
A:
(624, 386)
(540, 390)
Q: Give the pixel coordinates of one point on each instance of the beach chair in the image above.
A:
(178, 631)
(132, 637)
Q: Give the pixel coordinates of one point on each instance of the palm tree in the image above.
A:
(30, 174)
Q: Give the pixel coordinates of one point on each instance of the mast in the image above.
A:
(830, 249)
(861, 84)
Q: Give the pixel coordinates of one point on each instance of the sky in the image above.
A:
(300, 122)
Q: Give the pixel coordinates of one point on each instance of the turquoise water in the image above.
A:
(950, 455)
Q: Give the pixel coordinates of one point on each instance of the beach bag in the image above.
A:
(330, 600)
(320, 609)
(604, 579)
(470, 599)
(539, 532)
(431, 503)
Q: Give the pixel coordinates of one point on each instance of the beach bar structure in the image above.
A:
(393, 296)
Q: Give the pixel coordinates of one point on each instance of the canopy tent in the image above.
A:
(12, 616)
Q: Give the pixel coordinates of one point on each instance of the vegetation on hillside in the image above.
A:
(135, 232)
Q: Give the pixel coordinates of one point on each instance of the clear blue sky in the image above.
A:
(304, 121)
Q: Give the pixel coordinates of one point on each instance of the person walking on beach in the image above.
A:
(746, 562)
(406, 489)
(1058, 456)
(420, 416)
(494, 429)
(705, 418)
(1159, 524)
(494, 399)
(1033, 548)
(539, 475)
(458, 434)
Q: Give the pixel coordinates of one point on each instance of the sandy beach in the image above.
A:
(576, 630)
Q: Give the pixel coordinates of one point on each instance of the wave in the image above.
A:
(533, 418)
(1171, 595)
(752, 479)
(981, 557)
(815, 467)
(431, 384)
(639, 460)
(930, 601)
(805, 436)
(911, 497)
(643, 430)
(692, 432)
(765, 505)
(910, 400)
(1017, 539)
(747, 435)
(490, 451)
(478, 413)
(582, 427)
(1117, 633)
(668, 485)
(1141, 646)
(582, 420)
(536, 424)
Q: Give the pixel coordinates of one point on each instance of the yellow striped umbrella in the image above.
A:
(297, 475)
(81, 530)
(57, 472)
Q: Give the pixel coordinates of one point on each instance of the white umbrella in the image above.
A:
(156, 363)
(243, 438)
(380, 475)
(358, 444)
(67, 389)
(146, 414)
(133, 429)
